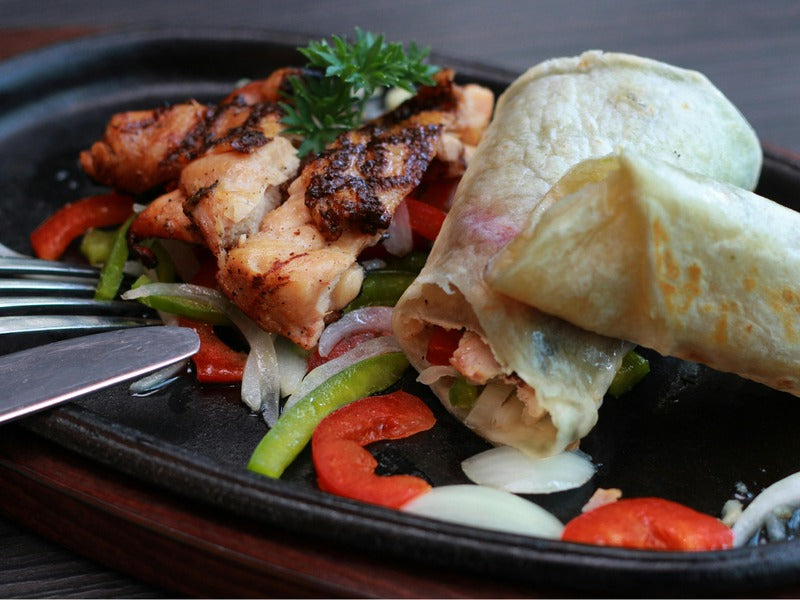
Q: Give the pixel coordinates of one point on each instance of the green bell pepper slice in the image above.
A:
(112, 272)
(412, 262)
(183, 307)
(634, 367)
(293, 430)
(96, 245)
(382, 288)
(463, 394)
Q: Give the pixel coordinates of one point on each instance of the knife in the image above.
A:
(41, 377)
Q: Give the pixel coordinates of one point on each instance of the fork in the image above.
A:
(57, 297)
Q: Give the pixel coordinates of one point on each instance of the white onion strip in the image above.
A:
(261, 379)
(487, 508)
(785, 492)
(291, 364)
(369, 318)
(434, 373)
(318, 376)
(189, 291)
(150, 384)
(512, 470)
(399, 240)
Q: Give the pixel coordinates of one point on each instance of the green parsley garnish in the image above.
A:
(320, 108)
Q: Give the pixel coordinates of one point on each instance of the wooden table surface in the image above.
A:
(750, 50)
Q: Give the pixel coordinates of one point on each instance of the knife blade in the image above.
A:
(41, 377)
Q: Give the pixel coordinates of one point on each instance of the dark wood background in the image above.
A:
(750, 50)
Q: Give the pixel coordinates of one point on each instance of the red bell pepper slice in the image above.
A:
(437, 191)
(649, 523)
(425, 219)
(442, 344)
(57, 232)
(346, 469)
(215, 362)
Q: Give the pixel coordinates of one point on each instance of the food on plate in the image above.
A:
(143, 149)
(308, 217)
(512, 470)
(339, 386)
(486, 508)
(648, 524)
(542, 378)
(345, 468)
(50, 239)
(670, 260)
(301, 267)
(287, 238)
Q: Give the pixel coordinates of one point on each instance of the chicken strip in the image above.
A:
(227, 191)
(301, 267)
(141, 150)
(228, 194)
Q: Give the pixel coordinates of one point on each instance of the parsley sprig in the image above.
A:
(321, 107)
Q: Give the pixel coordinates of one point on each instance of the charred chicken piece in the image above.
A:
(142, 150)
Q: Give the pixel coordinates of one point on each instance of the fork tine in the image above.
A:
(69, 323)
(26, 305)
(56, 298)
(9, 286)
(35, 266)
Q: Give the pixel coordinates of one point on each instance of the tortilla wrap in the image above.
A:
(670, 260)
(554, 116)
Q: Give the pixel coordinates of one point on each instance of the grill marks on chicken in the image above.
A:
(364, 175)
(361, 177)
(290, 265)
(226, 192)
(142, 150)
(301, 267)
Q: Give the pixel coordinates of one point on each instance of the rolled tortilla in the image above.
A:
(554, 116)
(677, 262)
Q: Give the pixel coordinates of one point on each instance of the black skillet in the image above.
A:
(686, 433)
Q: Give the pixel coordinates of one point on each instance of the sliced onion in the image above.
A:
(189, 291)
(434, 373)
(150, 384)
(785, 492)
(369, 318)
(487, 508)
(318, 376)
(399, 240)
(291, 364)
(483, 413)
(261, 378)
(509, 469)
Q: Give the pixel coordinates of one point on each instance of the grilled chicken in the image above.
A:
(164, 218)
(291, 266)
(228, 194)
(142, 150)
(225, 192)
(301, 267)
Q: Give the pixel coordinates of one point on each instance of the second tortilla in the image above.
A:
(671, 260)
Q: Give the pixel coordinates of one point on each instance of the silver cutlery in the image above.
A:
(44, 376)
(57, 297)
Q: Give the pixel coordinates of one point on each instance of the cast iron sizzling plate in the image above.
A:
(686, 433)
